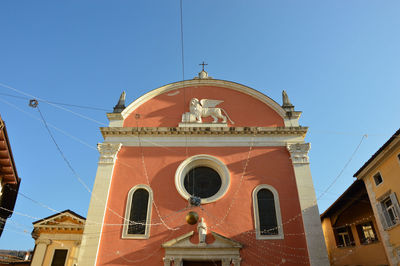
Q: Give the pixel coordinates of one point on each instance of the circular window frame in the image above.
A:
(206, 161)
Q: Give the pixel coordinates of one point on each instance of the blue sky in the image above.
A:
(339, 61)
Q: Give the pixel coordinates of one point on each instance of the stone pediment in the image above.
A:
(222, 249)
(66, 219)
(184, 242)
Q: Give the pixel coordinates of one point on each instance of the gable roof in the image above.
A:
(376, 154)
(56, 216)
(352, 193)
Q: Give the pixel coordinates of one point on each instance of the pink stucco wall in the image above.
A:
(166, 110)
(267, 165)
(231, 216)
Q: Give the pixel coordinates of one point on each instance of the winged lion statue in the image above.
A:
(205, 108)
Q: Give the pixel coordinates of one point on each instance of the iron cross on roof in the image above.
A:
(203, 64)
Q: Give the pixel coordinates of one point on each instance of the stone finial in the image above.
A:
(287, 105)
(203, 75)
(121, 103)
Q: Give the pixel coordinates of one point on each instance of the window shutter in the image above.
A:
(350, 235)
(335, 232)
(395, 203)
(360, 233)
(382, 215)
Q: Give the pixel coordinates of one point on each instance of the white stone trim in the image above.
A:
(197, 161)
(299, 152)
(205, 82)
(108, 152)
(207, 130)
(308, 204)
(280, 234)
(146, 235)
(98, 204)
(222, 249)
(204, 141)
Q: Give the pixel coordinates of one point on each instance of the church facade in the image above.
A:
(203, 172)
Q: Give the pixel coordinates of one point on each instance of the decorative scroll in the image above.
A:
(299, 152)
(108, 152)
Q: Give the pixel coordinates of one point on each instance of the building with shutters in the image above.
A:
(210, 148)
(381, 175)
(350, 230)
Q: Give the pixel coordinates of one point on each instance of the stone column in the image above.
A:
(40, 251)
(178, 262)
(236, 261)
(226, 262)
(308, 204)
(98, 203)
(167, 261)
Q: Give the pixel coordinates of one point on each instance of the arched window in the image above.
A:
(138, 212)
(267, 213)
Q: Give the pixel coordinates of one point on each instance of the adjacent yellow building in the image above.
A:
(57, 239)
(381, 175)
(350, 230)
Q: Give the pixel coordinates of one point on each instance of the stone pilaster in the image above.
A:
(40, 251)
(308, 204)
(98, 203)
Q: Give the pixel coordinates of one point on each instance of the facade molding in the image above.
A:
(280, 234)
(108, 152)
(222, 249)
(299, 152)
(202, 160)
(146, 235)
(224, 131)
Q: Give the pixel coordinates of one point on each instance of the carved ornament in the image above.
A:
(108, 152)
(299, 152)
(205, 108)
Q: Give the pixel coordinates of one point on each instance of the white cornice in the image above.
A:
(204, 137)
(225, 131)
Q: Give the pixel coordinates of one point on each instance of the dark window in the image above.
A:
(203, 182)
(366, 233)
(59, 257)
(138, 215)
(267, 212)
(344, 237)
(378, 179)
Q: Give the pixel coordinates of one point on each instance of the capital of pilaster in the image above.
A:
(236, 261)
(299, 152)
(43, 241)
(167, 261)
(108, 152)
(178, 261)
